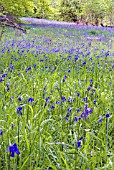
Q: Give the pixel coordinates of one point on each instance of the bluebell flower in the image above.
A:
(78, 94)
(69, 110)
(64, 78)
(1, 132)
(8, 89)
(67, 115)
(79, 144)
(85, 99)
(4, 75)
(69, 57)
(11, 66)
(86, 112)
(66, 119)
(100, 119)
(12, 125)
(35, 66)
(8, 84)
(41, 60)
(84, 63)
(13, 149)
(76, 57)
(107, 115)
(78, 110)
(89, 88)
(57, 102)
(107, 53)
(1, 79)
(63, 98)
(47, 99)
(20, 98)
(29, 68)
(11, 98)
(31, 99)
(81, 138)
(70, 99)
(19, 110)
(94, 101)
(52, 107)
(76, 119)
(69, 71)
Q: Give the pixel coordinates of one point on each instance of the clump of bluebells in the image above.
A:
(13, 149)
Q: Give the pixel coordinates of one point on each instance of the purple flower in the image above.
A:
(12, 125)
(107, 115)
(85, 99)
(84, 63)
(86, 112)
(89, 88)
(69, 71)
(34, 65)
(79, 144)
(11, 98)
(11, 66)
(19, 110)
(64, 78)
(69, 110)
(66, 119)
(47, 99)
(13, 149)
(100, 119)
(20, 98)
(69, 57)
(78, 94)
(4, 75)
(8, 84)
(41, 60)
(57, 102)
(91, 82)
(81, 138)
(30, 99)
(1, 132)
(1, 79)
(29, 68)
(52, 107)
(94, 101)
(76, 57)
(63, 98)
(70, 99)
(107, 53)
(76, 119)
(8, 89)
(78, 110)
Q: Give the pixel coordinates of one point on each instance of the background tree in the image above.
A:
(17, 8)
(70, 10)
(43, 9)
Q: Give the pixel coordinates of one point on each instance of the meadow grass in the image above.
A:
(57, 99)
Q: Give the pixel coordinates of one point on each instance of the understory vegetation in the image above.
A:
(57, 98)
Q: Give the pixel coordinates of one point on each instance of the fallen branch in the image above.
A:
(6, 22)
